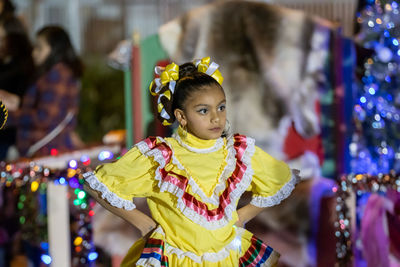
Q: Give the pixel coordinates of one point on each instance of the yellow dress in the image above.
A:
(192, 188)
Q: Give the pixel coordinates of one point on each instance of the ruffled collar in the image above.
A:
(195, 144)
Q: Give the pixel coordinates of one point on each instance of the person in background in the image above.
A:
(16, 70)
(7, 9)
(47, 117)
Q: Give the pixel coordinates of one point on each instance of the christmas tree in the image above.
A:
(375, 146)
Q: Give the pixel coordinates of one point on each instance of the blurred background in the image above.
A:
(96, 26)
(315, 82)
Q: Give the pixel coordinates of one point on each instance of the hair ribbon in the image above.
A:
(169, 74)
(210, 68)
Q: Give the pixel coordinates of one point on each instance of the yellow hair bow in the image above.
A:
(204, 65)
(168, 75)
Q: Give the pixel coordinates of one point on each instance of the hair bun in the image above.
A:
(186, 69)
(3, 115)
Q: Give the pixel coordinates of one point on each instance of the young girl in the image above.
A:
(193, 180)
(47, 116)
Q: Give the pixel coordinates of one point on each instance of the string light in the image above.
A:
(355, 184)
(73, 164)
(105, 155)
(46, 259)
(376, 137)
(29, 183)
(375, 141)
(93, 256)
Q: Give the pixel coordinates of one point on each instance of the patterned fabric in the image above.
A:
(177, 181)
(44, 106)
(154, 248)
(257, 254)
(193, 198)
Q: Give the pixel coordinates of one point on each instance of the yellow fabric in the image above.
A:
(135, 251)
(130, 176)
(269, 174)
(134, 176)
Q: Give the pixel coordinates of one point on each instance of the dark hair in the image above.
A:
(17, 40)
(61, 50)
(190, 80)
(8, 8)
(18, 47)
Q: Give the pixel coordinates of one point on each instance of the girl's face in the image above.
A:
(41, 51)
(204, 113)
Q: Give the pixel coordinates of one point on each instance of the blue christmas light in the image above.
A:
(386, 33)
(85, 158)
(105, 155)
(74, 183)
(376, 105)
(371, 91)
(73, 164)
(46, 259)
(371, 23)
(93, 256)
(44, 245)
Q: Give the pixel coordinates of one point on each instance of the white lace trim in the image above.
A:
(111, 197)
(173, 189)
(153, 262)
(234, 245)
(283, 193)
(158, 157)
(234, 195)
(230, 159)
(219, 143)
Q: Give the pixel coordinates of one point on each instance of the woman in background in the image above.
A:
(47, 117)
(7, 8)
(16, 70)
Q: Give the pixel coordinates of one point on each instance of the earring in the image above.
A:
(227, 130)
(184, 128)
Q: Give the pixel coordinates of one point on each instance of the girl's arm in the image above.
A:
(247, 213)
(135, 217)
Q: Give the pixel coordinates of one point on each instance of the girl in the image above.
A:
(47, 117)
(193, 180)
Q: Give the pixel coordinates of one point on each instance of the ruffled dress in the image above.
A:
(192, 188)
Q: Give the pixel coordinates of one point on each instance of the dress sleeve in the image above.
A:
(119, 182)
(272, 181)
